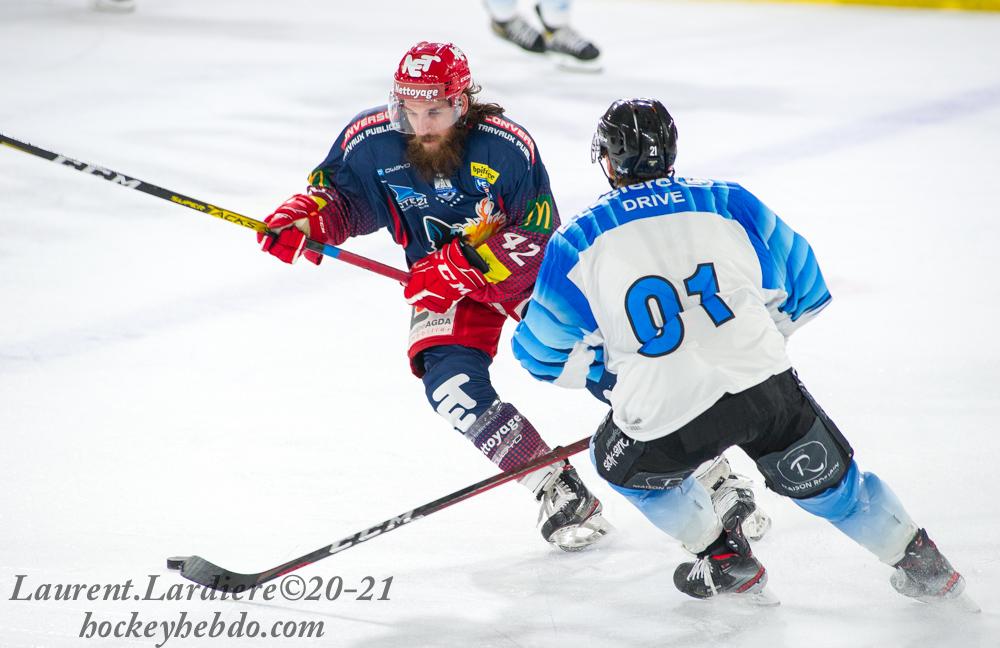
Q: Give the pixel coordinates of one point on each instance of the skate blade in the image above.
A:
(962, 602)
(759, 595)
(753, 598)
(568, 63)
(578, 538)
(762, 598)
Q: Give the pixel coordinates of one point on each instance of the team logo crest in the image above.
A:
(438, 232)
(487, 222)
(443, 188)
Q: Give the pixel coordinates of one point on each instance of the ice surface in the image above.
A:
(166, 389)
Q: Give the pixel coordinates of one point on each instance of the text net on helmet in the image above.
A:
(429, 72)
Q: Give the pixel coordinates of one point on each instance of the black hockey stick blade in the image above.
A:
(208, 574)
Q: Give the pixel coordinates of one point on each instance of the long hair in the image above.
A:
(446, 159)
(477, 109)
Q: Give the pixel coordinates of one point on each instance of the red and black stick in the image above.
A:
(203, 572)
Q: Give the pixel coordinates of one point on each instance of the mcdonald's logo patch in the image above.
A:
(539, 218)
(318, 179)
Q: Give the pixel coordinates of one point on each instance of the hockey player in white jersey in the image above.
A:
(677, 295)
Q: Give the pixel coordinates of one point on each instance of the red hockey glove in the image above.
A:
(296, 219)
(440, 279)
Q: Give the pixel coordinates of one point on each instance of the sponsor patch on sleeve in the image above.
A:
(480, 170)
(318, 178)
(539, 218)
(498, 271)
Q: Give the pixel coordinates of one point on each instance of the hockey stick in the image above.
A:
(205, 208)
(203, 572)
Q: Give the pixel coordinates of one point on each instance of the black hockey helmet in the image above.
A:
(639, 137)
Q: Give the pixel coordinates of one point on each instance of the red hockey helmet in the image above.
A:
(429, 72)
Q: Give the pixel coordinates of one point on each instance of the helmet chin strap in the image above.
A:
(612, 177)
(605, 163)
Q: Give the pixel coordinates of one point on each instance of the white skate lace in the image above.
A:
(520, 31)
(702, 569)
(560, 492)
(725, 499)
(567, 39)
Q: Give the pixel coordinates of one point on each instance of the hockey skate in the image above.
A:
(727, 566)
(571, 513)
(727, 489)
(518, 31)
(572, 50)
(926, 575)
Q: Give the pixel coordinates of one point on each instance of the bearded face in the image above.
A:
(437, 154)
(434, 146)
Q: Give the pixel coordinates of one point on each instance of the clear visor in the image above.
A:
(420, 116)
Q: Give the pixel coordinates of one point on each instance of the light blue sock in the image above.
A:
(501, 10)
(868, 512)
(555, 13)
(684, 512)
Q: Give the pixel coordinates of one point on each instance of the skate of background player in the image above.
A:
(127, 399)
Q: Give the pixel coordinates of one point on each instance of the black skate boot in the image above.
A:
(573, 50)
(926, 575)
(571, 513)
(518, 31)
(727, 566)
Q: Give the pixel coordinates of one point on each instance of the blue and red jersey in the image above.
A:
(499, 198)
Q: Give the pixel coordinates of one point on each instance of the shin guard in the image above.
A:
(509, 440)
(868, 512)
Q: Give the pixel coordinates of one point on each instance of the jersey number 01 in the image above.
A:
(653, 305)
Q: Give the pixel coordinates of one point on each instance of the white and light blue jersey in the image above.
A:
(683, 289)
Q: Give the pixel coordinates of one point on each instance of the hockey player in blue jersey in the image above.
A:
(463, 190)
(674, 297)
